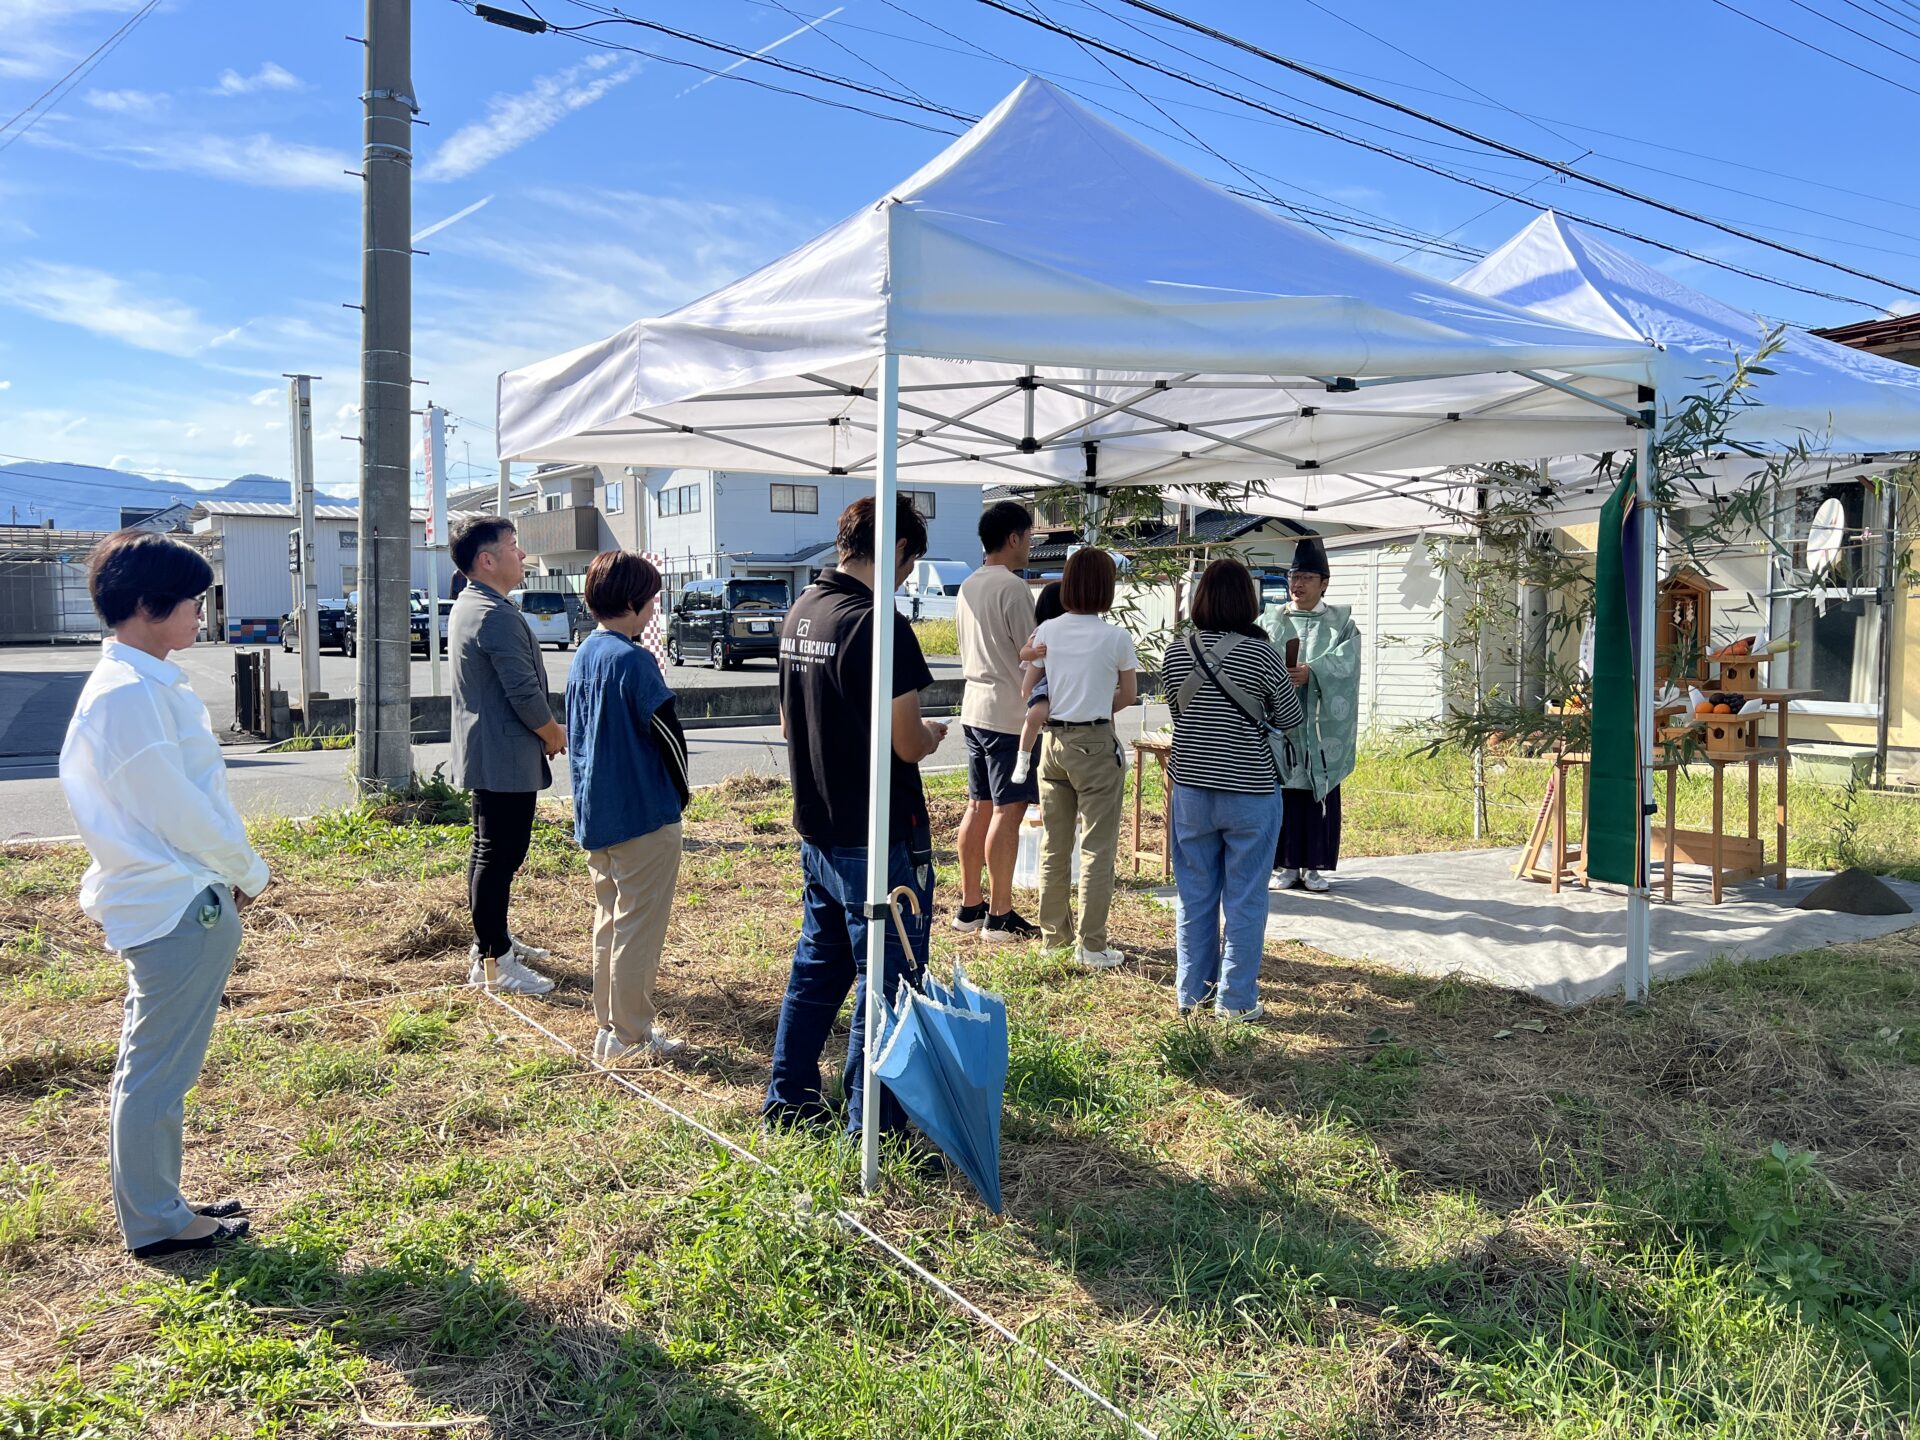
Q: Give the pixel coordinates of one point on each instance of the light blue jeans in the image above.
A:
(174, 986)
(1222, 855)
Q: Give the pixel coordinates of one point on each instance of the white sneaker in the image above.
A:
(1023, 768)
(1283, 880)
(660, 1046)
(1239, 1017)
(526, 954)
(510, 976)
(601, 1039)
(1315, 881)
(1097, 959)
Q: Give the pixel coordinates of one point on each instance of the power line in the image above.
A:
(1893, 24)
(1434, 169)
(73, 77)
(1808, 44)
(1500, 146)
(1858, 34)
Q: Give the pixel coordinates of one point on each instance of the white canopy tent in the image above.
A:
(1857, 413)
(1050, 300)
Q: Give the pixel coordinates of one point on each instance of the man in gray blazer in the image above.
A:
(503, 735)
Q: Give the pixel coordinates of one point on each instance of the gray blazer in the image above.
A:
(499, 695)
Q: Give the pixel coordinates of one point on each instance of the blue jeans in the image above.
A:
(831, 959)
(1222, 854)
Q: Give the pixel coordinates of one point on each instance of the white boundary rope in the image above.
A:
(847, 1220)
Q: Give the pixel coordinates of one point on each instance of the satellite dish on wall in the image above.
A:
(1825, 537)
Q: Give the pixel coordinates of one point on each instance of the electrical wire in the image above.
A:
(1818, 50)
(73, 77)
(1858, 34)
(1500, 146)
(1454, 175)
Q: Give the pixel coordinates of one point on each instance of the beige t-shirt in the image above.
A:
(994, 618)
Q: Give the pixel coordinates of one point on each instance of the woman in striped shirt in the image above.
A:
(1232, 703)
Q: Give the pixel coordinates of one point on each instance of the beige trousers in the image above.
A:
(1080, 778)
(632, 899)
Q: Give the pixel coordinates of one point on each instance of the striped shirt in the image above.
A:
(1215, 746)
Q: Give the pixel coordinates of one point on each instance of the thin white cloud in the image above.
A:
(264, 397)
(6, 384)
(258, 160)
(512, 120)
(104, 304)
(39, 37)
(126, 102)
(453, 219)
(268, 77)
(768, 48)
(241, 439)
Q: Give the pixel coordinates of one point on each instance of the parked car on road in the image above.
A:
(725, 622)
(546, 614)
(416, 623)
(332, 615)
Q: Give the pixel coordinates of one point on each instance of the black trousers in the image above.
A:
(502, 829)
(1309, 831)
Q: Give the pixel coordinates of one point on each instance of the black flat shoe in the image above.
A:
(224, 1231)
(222, 1209)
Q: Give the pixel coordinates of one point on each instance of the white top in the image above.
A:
(1085, 659)
(992, 621)
(148, 789)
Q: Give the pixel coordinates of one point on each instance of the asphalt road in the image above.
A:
(39, 684)
(264, 784)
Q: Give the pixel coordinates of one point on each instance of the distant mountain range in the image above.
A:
(86, 497)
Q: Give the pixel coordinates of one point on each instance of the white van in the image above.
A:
(546, 614)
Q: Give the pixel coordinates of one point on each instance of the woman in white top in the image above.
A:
(171, 871)
(1091, 673)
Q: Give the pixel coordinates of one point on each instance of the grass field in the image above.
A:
(1405, 1208)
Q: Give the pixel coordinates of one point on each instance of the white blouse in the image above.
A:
(147, 786)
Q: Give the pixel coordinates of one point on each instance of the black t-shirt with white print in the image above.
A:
(826, 694)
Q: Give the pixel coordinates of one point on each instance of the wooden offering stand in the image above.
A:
(1158, 748)
(1728, 740)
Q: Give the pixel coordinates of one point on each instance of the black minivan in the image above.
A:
(727, 621)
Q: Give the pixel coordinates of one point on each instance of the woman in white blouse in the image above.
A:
(171, 871)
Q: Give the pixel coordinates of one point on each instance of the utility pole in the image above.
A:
(506, 487)
(383, 722)
(300, 424)
(434, 442)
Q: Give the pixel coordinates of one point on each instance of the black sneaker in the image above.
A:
(1011, 927)
(970, 917)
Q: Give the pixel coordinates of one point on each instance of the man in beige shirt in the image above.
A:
(994, 619)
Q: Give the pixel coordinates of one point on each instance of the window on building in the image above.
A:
(680, 500)
(616, 496)
(922, 500)
(552, 502)
(1839, 627)
(796, 499)
(349, 578)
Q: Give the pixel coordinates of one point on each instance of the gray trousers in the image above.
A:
(174, 986)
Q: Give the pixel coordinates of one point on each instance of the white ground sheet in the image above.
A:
(1437, 914)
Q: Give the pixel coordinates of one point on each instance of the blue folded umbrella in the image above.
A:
(942, 1051)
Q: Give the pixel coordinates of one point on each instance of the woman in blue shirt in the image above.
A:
(629, 763)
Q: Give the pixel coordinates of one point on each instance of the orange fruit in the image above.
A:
(1703, 708)
(1723, 709)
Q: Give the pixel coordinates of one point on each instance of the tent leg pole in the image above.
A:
(880, 768)
(1640, 898)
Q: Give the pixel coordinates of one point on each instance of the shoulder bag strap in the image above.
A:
(1196, 677)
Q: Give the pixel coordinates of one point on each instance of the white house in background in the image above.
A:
(252, 584)
(717, 524)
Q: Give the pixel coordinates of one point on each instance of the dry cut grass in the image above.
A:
(1403, 1208)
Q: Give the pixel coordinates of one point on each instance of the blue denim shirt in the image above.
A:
(620, 786)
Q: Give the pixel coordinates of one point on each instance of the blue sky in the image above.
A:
(177, 231)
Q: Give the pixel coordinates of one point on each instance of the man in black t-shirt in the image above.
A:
(826, 699)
